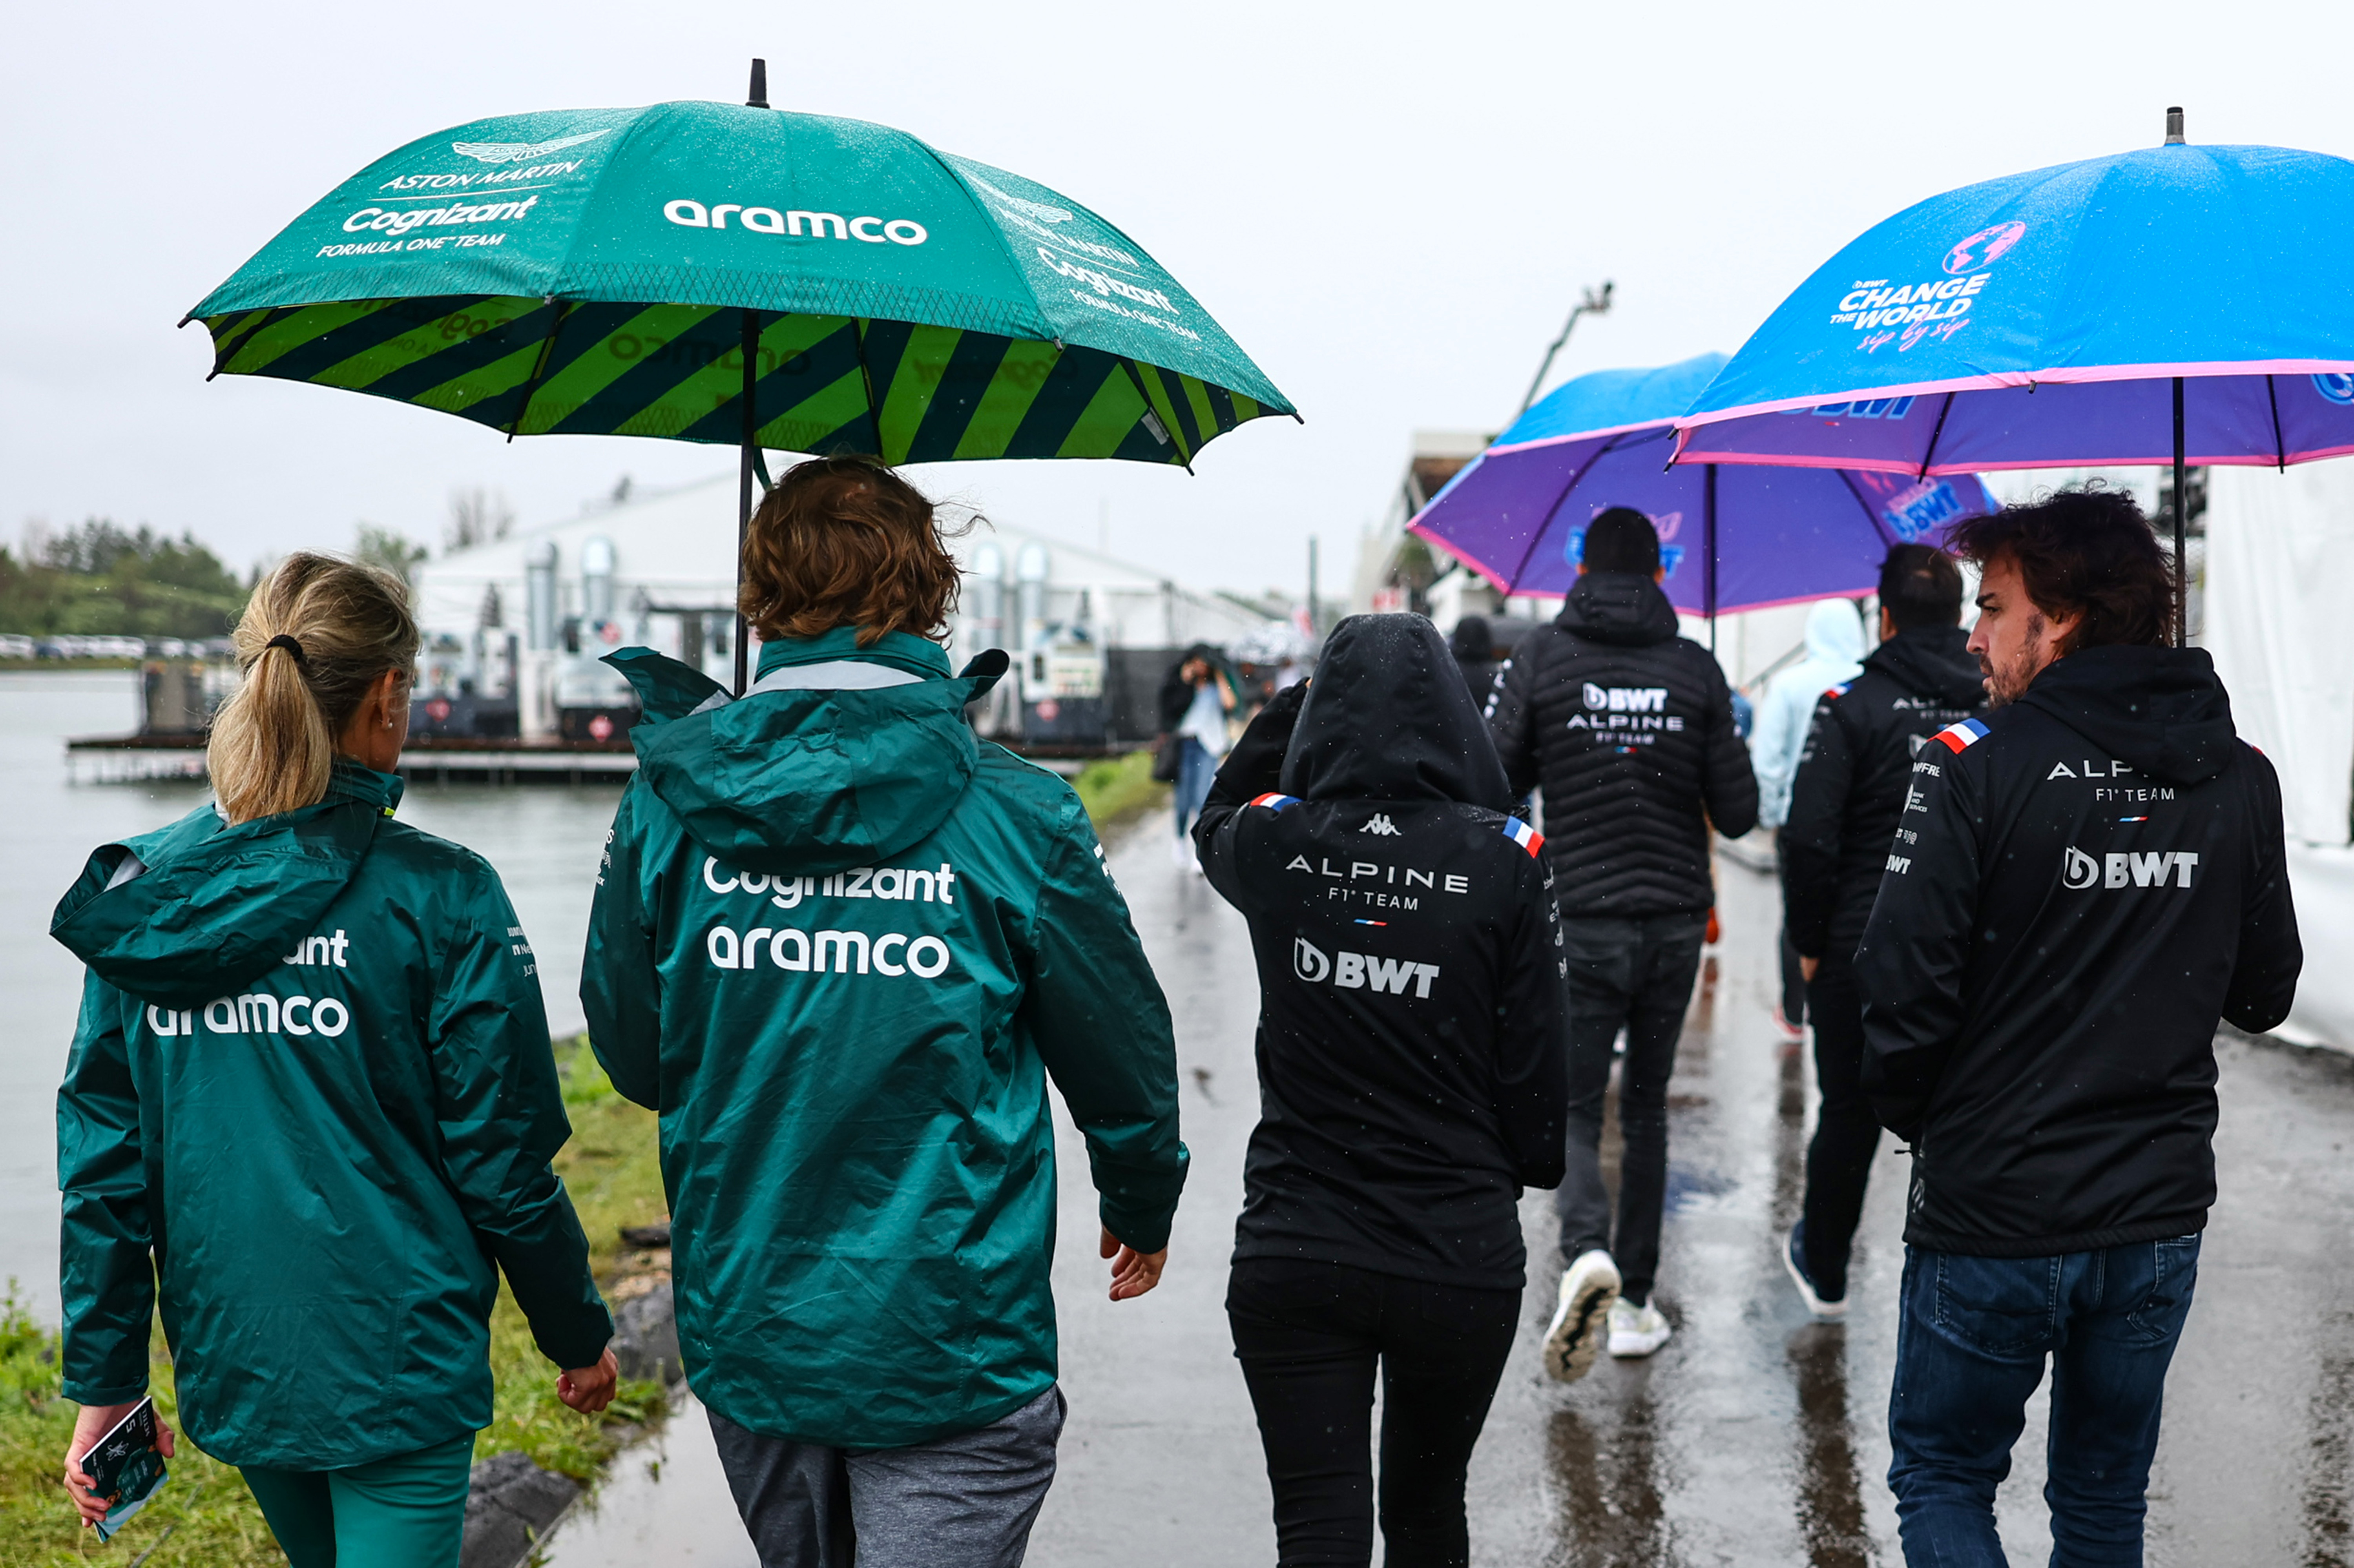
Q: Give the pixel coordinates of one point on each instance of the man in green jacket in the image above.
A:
(838, 944)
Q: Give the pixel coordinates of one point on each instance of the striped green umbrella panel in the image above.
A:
(606, 271)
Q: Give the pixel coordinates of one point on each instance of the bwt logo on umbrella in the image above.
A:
(768, 220)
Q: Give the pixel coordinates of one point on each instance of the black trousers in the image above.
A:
(1309, 1336)
(1634, 974)
(1847, 1135)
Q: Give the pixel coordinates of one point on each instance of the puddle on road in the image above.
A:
(665, 1501)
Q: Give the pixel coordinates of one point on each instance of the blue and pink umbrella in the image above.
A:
(2176, 304)
(1739, 537)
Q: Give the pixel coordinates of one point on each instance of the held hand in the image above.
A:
(1132, 1272)
(94, 1422)
(1806, 968)
(589, 1389)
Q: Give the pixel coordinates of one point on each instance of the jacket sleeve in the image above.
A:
(1916, 946)
(1510, 714)
(1810, 838)
(1728, 786)
(1774, 749)
(1532, 1039)
(502, 1121)
(2264, 979)
(1102, 1026)
(107, 1277)
(1251, 769)
(620, 984)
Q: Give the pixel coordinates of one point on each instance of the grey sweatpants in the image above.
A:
(966, 1501)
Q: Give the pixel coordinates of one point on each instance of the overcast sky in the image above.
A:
(1390, 207)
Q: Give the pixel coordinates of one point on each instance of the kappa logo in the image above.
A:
(1381, 826)
(1360, 972)
(520, 152)
(2156, 868)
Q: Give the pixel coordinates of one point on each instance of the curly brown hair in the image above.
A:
(844, 541)
(2090, 550)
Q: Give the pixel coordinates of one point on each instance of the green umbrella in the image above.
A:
(743, 276)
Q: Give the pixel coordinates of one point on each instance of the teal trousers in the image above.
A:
(408, 1512)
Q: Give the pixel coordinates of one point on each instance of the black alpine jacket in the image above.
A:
(2083, 883)
(1412, 1075)
(1852, 779)
(1629, 728)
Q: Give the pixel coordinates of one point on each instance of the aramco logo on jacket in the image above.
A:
(827, 952)
(1360, 972)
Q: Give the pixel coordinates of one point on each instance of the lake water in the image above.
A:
(543, 838)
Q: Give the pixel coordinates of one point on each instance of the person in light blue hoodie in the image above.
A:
(1834, 655)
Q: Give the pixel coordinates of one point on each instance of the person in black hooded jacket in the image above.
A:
(1412, 1083)
(1629, 728)
(2083, 883)
(1844, 803)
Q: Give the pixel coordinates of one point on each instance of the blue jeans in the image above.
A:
(1196, 770)
(1970, 1347)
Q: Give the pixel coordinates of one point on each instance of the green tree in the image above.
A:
(394, 551)
(103, 580)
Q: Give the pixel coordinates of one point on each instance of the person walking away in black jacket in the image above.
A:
(1845, 798)
(2083, 883)
(1628, 727)
(1412, 1083)
(1474, 647)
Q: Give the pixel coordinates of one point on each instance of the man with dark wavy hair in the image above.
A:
(840, 945)
(2081, 884)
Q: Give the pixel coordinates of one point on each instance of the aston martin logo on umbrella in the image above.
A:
(520, 152)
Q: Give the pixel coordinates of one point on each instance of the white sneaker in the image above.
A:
(1637, 1331)
(1589, 1293)
(1181, 851)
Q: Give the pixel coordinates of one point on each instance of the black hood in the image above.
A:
(2160, 709)
(1623, 608)
(1932, 662)
(1387, 718)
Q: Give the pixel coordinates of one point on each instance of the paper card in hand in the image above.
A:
(126, 1466)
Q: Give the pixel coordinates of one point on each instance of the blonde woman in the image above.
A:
(309, 1109)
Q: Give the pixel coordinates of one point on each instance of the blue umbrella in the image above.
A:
(1739, 538)
(2176, 304)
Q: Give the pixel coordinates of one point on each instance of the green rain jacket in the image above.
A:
(313, 1080)
(838, 943)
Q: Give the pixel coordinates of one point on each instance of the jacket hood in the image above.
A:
(1623, 608)
(1932, 662)
(217, 905)
(1387, 718)
(1835, 632)
(805, 781)
(2160, 709)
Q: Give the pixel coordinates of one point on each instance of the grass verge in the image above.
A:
(1119, 790)
(205, 1517)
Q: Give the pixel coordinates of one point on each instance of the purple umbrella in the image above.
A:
(1733, 538)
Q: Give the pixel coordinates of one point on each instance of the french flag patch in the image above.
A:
(1953, 738)
(1273, 801)
(1521, 834)
(1836, 693)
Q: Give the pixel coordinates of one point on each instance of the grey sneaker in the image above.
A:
(1794, 1258)
(1589, 1289)
(1637, 1331)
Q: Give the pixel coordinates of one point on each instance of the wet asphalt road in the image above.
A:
(1755, 1436)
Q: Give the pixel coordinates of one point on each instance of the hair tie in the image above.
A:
(282, 640)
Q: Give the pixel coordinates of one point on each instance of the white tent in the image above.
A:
(2280, 588)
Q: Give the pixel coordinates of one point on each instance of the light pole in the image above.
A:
(1595, 303)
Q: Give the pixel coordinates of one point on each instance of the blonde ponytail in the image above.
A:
(316, 634)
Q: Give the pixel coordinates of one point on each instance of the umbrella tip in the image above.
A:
(2174, 126)
(759, 98)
